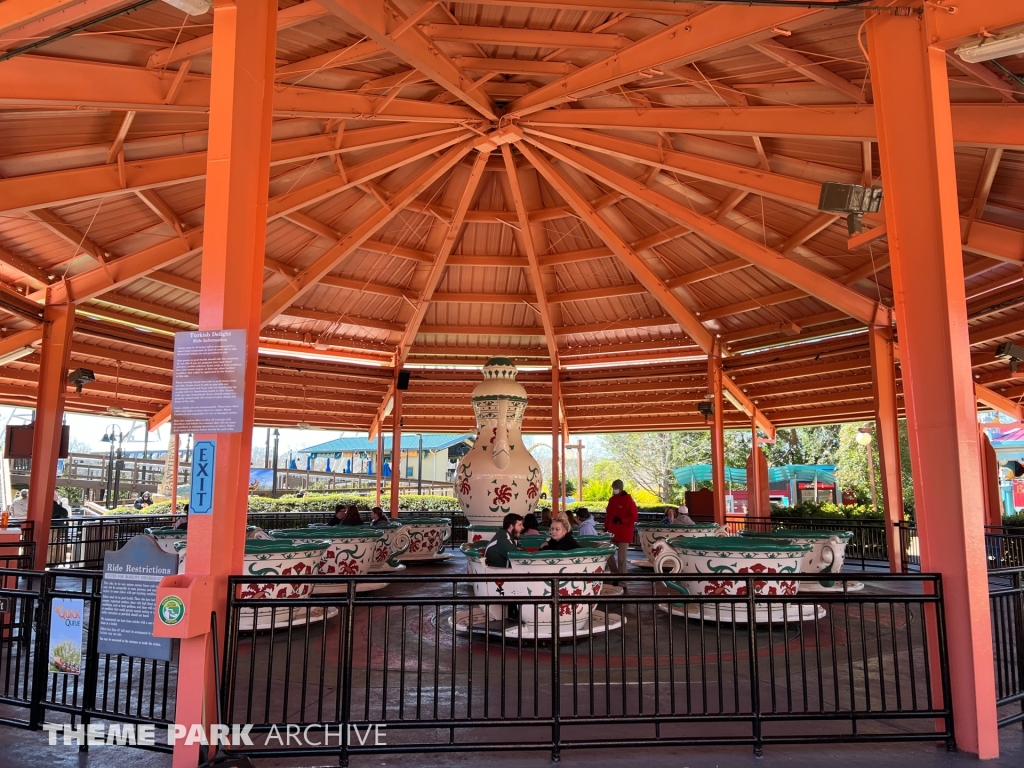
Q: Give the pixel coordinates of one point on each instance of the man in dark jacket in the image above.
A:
(620, 517)
(506, 540)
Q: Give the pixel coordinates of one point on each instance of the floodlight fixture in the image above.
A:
(706, 409)
(1009, 351)
(80, 377)
(852, 199)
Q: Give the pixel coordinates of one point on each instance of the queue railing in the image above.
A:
(440, 670)
(1006, 601)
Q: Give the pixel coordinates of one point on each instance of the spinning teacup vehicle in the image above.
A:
(727, 566)
(827, 555)
(427, 536)
(654, 535)
(350, 553)
(535, 621)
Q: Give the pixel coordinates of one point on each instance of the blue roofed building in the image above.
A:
(437, 454)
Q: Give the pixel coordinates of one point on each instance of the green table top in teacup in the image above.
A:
(332, 532)
(797, 533)
(690, 527)
(738, 545)
(283, 546)
(424, 520)
(172, 532)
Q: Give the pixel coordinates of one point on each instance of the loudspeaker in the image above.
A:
(403, 380)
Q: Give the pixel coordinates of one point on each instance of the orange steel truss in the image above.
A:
(620, 195)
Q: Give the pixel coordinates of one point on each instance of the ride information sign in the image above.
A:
(209, 381)
(128, 599)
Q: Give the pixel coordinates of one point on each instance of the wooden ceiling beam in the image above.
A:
(432, 279)
(995, 125)
(400, 36)
(810, 69)
(199, 46)
(839, 296)
(713, 31)
(787, 189)
(55, 188)
(319, 269)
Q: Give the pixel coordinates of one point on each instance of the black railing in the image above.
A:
(441, 670)
(1006, 598)
(79, 542)
(20, 593)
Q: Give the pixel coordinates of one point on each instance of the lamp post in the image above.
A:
(277, 440)
(188, 450)
(115, 437)
(864, 438)
(579, 468)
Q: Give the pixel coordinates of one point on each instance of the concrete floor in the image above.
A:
(27, 749)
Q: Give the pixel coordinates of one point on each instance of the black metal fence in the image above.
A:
(439, 669)
(1006, 598)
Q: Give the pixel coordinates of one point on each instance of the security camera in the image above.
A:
(80, 377)
(1011, 352)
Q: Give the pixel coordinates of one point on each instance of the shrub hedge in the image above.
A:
(325, 502)
(828, 509)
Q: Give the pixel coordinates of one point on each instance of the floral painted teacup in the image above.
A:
(576, 562)
(167, 538)
(654, 535)
(392, 544)
(718, 560)
(426, 536)
(279, 557)
(478, 532)
(827, 553)
(350, 552)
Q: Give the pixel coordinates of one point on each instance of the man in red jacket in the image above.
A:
(620, 517)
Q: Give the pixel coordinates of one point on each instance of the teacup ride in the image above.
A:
(708, 566)
(576, 621)
(534, 541)
(393, 543)
(350, 554)
(427, 536)
(478, 532)
(654, 535)
(827, 555)
(278, 557)
(167, 538)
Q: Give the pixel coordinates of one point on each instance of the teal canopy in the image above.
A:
(825, 473)
(697, 473)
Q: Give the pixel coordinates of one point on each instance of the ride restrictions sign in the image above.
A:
(209, 382)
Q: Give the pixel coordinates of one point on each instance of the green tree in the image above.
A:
(647, 459)
(852, 464)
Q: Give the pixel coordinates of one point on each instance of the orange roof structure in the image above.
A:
(648, 193)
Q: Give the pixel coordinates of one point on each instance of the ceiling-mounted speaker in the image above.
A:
(403, 380)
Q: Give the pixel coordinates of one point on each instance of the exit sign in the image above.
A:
(204, 456)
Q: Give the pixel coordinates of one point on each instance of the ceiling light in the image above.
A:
(191, 7)
(16, 354)
(117, 410)
(992, 48)
(303, 425)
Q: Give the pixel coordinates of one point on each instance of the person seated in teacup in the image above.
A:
(561, 537)
(545, 518)
(571, 517)
(378, 518)
(530, 525)
(506, 540)
(587, 525)
(346, 516)
(675, 516)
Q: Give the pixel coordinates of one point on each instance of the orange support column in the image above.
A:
(717, 434)
(556, 438)
(396, 449)
(237, 181)
(883, 377)
(911, 94)
(58, 323)
(380, 462)
(757, 478)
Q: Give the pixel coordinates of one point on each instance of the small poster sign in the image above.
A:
(128, 599)
(66, 623)
(209, 382)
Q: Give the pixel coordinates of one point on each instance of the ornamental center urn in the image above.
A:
(498, 475)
